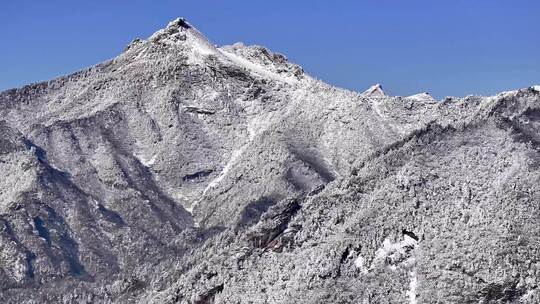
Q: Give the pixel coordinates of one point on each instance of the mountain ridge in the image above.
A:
(183, 172)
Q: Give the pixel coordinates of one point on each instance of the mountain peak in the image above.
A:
(179, 22)
(180, 33)
(425, 96)
(177, 30)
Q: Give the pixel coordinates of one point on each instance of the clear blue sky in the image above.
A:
(452, 48)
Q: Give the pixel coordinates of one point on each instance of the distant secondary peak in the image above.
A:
(266, 59)
(374, 91)
(421, 97)
(256, 53)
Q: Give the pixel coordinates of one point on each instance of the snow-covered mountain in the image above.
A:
(182, 172)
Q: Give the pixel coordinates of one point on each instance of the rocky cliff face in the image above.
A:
(182, 172)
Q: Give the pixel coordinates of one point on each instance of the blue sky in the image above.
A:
(449, 48)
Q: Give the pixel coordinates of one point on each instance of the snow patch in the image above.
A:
(360, 264)
(180, 197)
(394, 250)
(536, 88)
(200, 47)
(413, 285)
(401, 252)
(254, 128)
(234, 158)
(259, 124)
(184, 201)
(529, 295)
(147, 162)
(377, 109)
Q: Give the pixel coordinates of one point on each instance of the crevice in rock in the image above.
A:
(30, 258)
(254, 210)
(42, 230)
(410, 234)
(266, 234)
(507, 292)
(209, 296)
(195, 177)
(345, 254)
(111, 216)
(198, 110)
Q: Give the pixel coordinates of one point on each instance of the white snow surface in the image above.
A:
(200, 46)
(359, 262)
(413, 285)
(215, 182)
(377, 108)
(147, 162)
(388, 248)
(234, 158)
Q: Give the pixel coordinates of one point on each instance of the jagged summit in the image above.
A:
(179, 32)
(175, 26)
(180, 22)
(179, 37)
